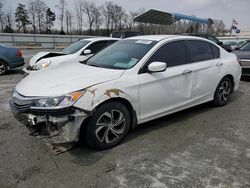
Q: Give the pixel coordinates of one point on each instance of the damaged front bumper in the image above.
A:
(28, 70)
(53, 126)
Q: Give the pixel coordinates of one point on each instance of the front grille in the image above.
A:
(22, 118)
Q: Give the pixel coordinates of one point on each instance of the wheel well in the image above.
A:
(231, 78)
(129, 107)
(121, 100)
(3, 61)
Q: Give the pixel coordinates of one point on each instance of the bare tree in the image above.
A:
(107, 15)
(98, 17)
(1, 16)
(41, 9)
(32, 14)
(68, 19)
(79, 15)
(128, 19)
(9, 21)
(61, 6)
(113, 16)
(89, 8)
(117, 14)
(219, 27)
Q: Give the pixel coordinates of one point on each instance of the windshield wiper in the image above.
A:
(93, 65)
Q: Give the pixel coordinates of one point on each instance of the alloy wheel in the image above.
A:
(2, 69)
(224, 91)
(111, 126)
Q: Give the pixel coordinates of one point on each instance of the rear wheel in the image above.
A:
(108, 126)
(3, 68)
(223, 92)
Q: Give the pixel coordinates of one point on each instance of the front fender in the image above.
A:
(95, 95)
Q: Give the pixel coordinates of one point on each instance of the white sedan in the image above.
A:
(78, 51)
(130, 82)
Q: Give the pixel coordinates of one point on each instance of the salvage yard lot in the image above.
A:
(200, 147)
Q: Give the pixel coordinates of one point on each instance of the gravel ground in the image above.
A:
(200, 147)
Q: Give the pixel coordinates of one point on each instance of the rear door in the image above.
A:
(206, 65)
(163, 92)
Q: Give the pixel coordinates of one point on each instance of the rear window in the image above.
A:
(200, 51)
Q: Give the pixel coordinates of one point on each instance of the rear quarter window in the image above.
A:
(200, 51)
(216, 51)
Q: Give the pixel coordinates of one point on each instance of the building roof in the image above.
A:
(165, 18)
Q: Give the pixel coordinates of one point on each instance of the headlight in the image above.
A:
(56, 102)
(41, 65)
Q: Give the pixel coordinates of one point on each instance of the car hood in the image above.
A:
(242, 54)
(45, 55)
(65, 79)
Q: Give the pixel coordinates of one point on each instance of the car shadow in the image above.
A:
(245, 79)
(86, 156)
(14, 71)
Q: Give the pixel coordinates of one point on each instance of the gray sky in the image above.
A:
(224, 10)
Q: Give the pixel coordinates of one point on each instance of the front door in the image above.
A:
(163, 92)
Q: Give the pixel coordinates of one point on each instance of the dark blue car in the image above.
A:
(10, 58)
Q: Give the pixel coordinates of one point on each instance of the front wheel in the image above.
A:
(223, 92)
(108, 126)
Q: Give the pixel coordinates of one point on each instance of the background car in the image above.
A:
(10, 58)
(244, 55)
(214, 39)
(235, 45)
(78, 51)
(232, 44)
(130, 82)
(124, 34)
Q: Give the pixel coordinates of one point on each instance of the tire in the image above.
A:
(102, 133)
(223, 92)
(3, 68)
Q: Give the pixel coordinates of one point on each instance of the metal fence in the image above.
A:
(44, 41)
(39, 40)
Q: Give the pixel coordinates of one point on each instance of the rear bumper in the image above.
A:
(245, 64)
(16, 64)
(55, 127)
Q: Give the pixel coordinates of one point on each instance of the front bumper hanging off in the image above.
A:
(55, 127)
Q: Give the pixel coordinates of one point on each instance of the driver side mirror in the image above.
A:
(157, 67)
(86, 52)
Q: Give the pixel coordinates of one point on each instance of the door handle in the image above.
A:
(187, 72)
(219, 64)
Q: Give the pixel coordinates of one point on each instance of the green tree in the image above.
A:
(50, 18)
(21, 17)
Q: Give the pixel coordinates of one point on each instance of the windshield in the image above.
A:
(122, 55)
(246, 47)
(75, 47)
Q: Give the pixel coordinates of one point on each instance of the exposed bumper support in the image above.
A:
(55, 129)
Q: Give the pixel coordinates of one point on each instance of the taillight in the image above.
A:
(19, 53)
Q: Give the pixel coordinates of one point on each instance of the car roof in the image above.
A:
(94, 39)
(162, 37)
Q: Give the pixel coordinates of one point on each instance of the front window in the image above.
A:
(122, 55)
(246, 47)
(75, 47)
